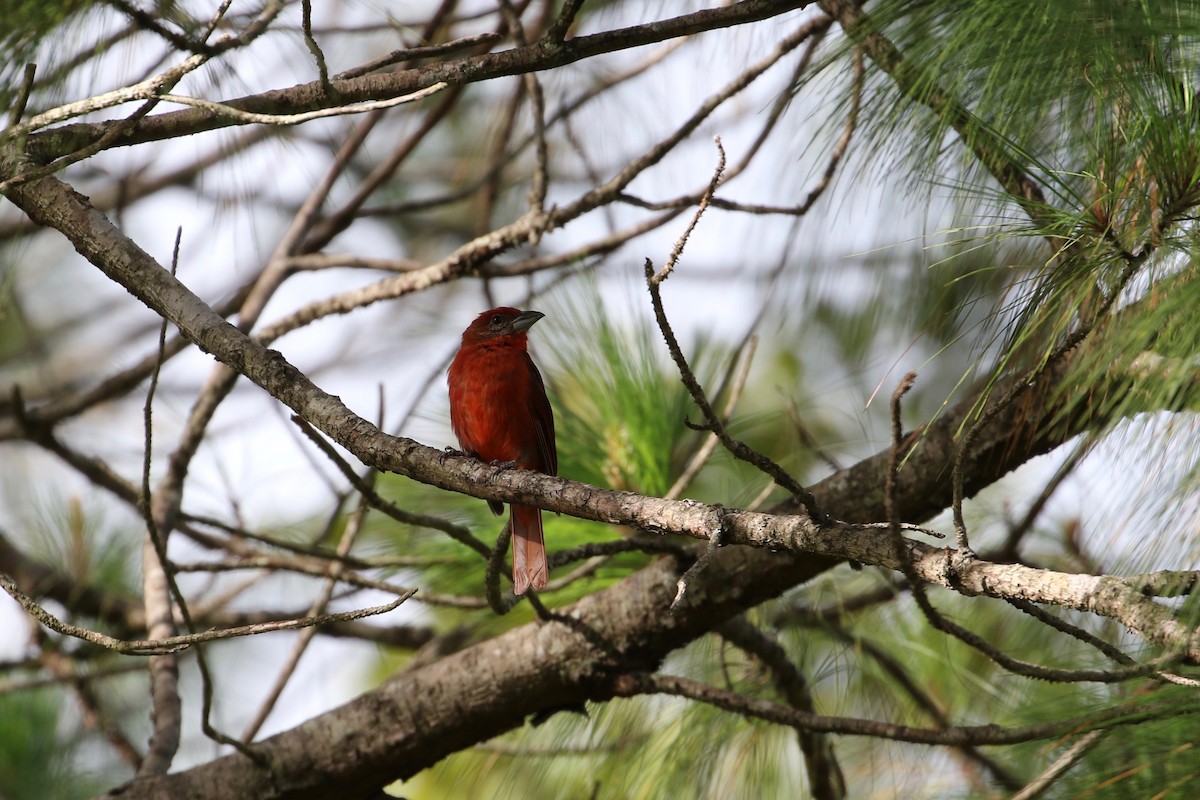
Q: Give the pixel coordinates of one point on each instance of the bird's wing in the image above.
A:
(543, 421)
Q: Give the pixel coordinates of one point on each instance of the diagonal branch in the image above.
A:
(635, 684)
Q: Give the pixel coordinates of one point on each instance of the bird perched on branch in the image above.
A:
(500, 413)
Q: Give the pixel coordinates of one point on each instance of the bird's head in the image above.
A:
(500, 324)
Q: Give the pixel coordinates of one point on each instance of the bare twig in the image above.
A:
(557, 31)
(889, 479)
(414, 53)
(712, 421)
(148, 21)
(306, 116)
(1017, 531)
(319, 569)
(500, 160)
(695, 569)
(1082, 746)
(459, 533)
(157, 586)
(310, 42)
(632, 684)
(705, 198)
(537, 102)
(597, 247)
(18, 108)
(173, 644)
(316, 261)
(495, 568)
(323, 230)
(702, 454)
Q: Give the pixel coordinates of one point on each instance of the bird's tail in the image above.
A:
(528, 549)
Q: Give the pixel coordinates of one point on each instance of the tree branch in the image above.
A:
(541, 55)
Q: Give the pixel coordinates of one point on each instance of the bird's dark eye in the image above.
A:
(496, 320)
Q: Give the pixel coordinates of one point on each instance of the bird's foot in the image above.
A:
(957, 563)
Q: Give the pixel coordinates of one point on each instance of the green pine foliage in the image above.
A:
(27, 21)
(37, 761)
(620, 407)
(1097, 102)
(26, 24)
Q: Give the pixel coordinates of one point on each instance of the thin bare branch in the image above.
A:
(349, 535)
(712, 421)
(367, 490)
(157, 585)
(632, 684)
(173, 644)
(681, 242)
(310, 41)
(415, 53)
(702, 454)
(239, 115)
(1069, 758)
(18, 109)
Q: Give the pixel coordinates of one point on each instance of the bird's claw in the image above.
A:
(960, 560)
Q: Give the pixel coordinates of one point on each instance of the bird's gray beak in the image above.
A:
(524, 321)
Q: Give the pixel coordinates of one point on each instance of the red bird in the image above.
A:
(500, 413)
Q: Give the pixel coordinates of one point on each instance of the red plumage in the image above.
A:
(500, 413)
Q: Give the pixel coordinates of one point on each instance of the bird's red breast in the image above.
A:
(498, 404)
